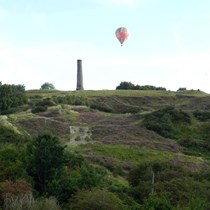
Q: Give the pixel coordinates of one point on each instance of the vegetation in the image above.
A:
(134, 149)
(44, 160)
(130, 86)
(164, 121)
(96, 199)
(11, 96)
(47, 86)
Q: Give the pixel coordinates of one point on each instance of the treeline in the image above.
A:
(11, 96)
(130, 86)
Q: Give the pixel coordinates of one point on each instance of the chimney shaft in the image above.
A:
(79, 75)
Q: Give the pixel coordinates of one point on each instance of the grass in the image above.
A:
(91, 93)
(126, 153)
(130, 156)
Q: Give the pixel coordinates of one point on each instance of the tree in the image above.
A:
(182, 89)
(47, 86)
(126, 86)
(45, 159)
(11, 96)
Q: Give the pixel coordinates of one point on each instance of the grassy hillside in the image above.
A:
(118, 129)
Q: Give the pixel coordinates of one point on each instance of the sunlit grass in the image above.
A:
(126, 153)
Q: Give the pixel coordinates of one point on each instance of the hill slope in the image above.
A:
(118, 129)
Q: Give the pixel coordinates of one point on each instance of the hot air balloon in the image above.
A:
(121, 34)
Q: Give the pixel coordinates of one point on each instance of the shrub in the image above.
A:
(27, 202)
(71, 99)
(101, 107)
(10, 190)
(156, 202)
(125, 86)
(11, 165)
(45, 159)
(201, 115)
(176, 184)
(42, 106)
(11, 96)
(47, 86)
(164, 121)
(9, 136)
(96, 199)
(37, 109)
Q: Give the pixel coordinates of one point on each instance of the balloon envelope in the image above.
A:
(121, 34)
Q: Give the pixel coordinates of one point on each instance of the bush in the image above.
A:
(176, 184)
(45, 159)
(27, 202)
(96, 199)
(164, 121)
(11, 165)
(10, 190)
(37, 109)
(42, 106)
(11, 96)
(71, 99)
(130, 86)
(125, 86)
(156, 202)
(47, 86)
(100, 106)
(201, 115)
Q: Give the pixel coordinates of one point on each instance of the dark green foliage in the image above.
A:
(164, 120)
(90, 176)
(96, 199)
(125, 86)
(201, 115)
(42, 106)
(113, 105)
(69, 182)
(130, 86)
(39, 108)
(71, 99)
(47, 86)
(182, 89)
(198, 204)
(175, 183)
(100, 106)
(11, 96)
(156, 202)
(45, 159)
(65, 184)
(11, 165)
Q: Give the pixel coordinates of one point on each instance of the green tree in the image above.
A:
(45, 159)
(47, 86)
(126, 86)
(11, 96)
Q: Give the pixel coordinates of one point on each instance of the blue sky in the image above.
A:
(168, 46)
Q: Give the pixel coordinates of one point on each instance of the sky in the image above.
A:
(168, 44)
